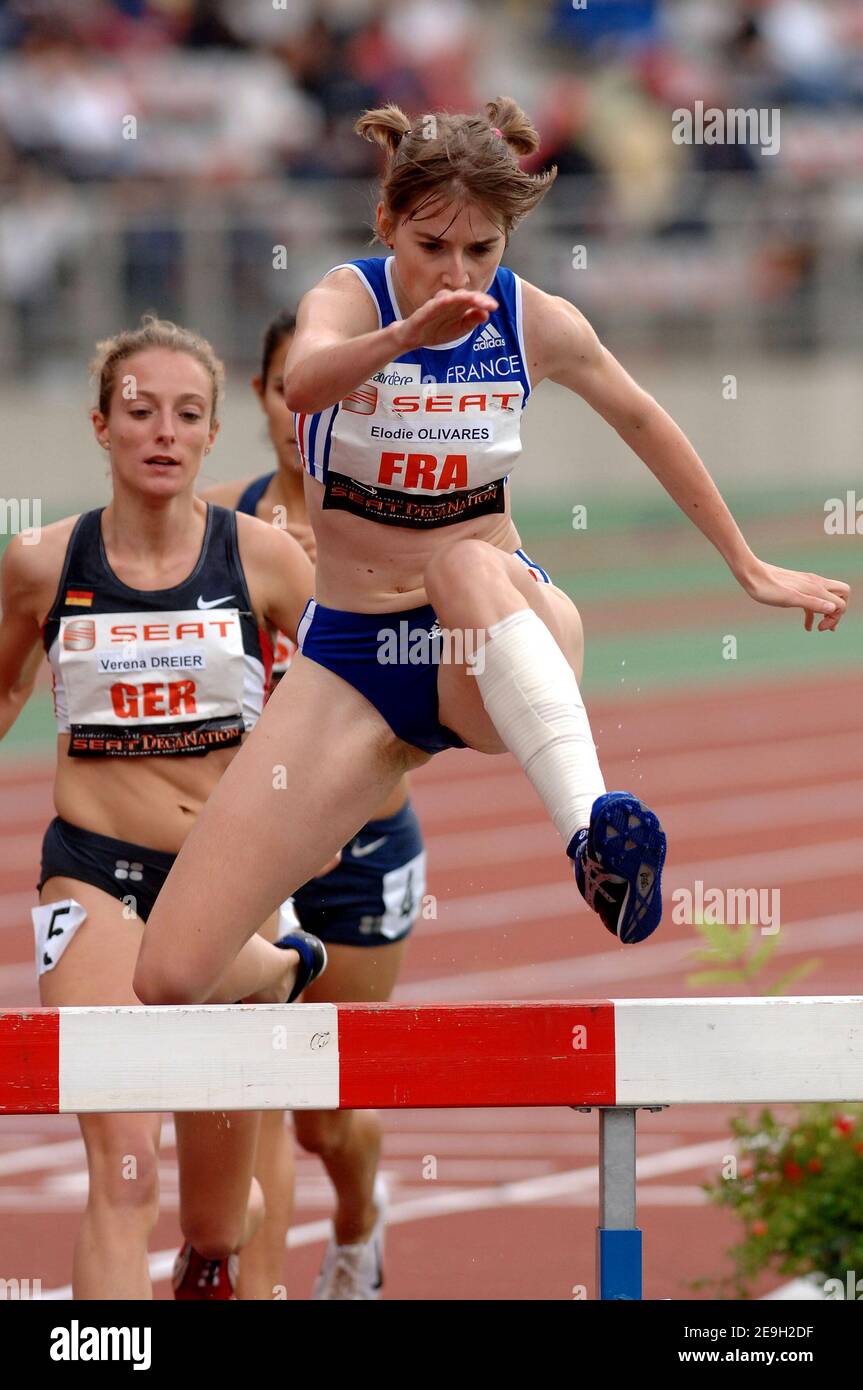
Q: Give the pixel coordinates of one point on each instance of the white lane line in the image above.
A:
(529, 840)
(69, 1200)
(536, 839)
(548, 901)
(734, 767)
(41, 1157)
(700, 742)
(446, 1203)
(551, 978)
(665, 775)
(558, 978)
(661, 1195)
(416, 1144)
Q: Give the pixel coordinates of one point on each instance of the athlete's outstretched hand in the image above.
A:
(449, 315)
(794, 589)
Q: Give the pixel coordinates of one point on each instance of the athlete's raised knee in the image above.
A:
(456, 569)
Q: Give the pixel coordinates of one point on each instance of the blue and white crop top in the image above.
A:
(430, 438)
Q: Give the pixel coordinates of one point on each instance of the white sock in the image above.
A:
(531, 696)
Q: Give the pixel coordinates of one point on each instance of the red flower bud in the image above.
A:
(814, 1165)
(759, 1228)
(792, 1170)
(843, 1124)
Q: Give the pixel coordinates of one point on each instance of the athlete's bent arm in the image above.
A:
(336, 346)
(572, 355)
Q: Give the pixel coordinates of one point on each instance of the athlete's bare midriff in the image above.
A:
(370, 567)
(148, 801)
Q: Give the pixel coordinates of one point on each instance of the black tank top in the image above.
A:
(251, 495)
(149, 672)
(248, 503)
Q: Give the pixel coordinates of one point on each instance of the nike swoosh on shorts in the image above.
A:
(360, 851)
(213, 602)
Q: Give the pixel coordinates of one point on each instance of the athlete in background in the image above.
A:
(155, 613)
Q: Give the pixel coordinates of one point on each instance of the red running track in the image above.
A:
(757, 789)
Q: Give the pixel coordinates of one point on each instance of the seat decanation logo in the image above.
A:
(77, 1343)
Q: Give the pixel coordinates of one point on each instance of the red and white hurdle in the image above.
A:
(618, 1055)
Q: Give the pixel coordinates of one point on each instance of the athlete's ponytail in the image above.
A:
(468, 159)
(516, 128)
(386, 125)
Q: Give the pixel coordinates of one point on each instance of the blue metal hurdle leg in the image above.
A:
(618, 1239)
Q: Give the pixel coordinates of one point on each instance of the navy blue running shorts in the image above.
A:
(392, 659)
(375, 893)
(117, 867)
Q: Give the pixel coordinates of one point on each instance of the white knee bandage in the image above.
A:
(531, 696)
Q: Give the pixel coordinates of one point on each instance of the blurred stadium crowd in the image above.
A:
(239, 88)
(230, 94)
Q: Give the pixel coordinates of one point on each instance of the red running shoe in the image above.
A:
(195, 1278)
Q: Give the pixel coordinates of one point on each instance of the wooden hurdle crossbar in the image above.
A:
(617, 1055)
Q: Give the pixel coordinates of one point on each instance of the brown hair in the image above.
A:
(153, 333)
(444, 154)
(278, 329)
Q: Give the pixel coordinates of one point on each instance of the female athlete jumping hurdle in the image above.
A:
(408, 376)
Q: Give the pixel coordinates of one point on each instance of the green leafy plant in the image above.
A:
(798, 1183)
(736, 958)
(799, 1192)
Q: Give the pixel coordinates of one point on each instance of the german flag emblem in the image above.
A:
(79, 598)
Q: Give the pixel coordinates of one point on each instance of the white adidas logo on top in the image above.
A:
(488, 338)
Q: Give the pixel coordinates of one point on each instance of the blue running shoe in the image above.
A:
(313, 958)
(618, 865)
